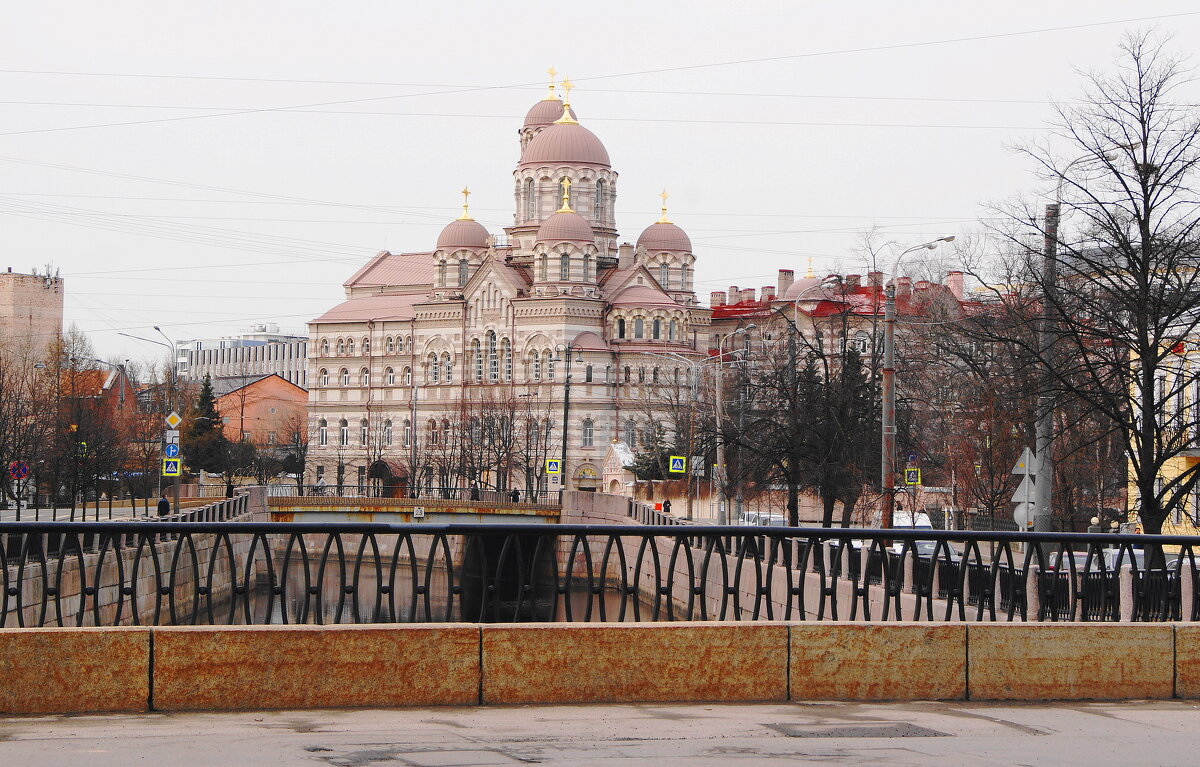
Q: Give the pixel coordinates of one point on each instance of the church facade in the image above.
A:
(491, 357)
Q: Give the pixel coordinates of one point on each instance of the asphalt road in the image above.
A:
(1132, 733)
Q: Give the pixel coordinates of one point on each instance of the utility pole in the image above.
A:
(888, 467)
(1044, 440)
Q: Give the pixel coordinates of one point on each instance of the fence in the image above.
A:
(197, 568)
(468, 494)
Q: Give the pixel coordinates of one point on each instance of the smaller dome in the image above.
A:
(463, 233)
(808, 288)
(664, 235)
(565, 226)
(544, 113)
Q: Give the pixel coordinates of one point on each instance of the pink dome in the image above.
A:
(462, 233)
(565, 143)
(565, 226)
(665, 236)
(808, 288)
(545, 112)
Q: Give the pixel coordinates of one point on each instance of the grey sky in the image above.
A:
(767, 162)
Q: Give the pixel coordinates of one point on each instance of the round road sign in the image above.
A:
(18, 470)
(172, 450)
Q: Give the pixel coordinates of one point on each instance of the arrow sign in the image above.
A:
(172, 450)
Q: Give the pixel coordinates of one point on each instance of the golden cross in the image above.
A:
(664, 197)
(553, 96)
(567, 86)
(566, 197)
(466, 193)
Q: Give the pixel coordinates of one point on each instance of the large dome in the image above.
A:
(565, 226)
(462, 233)
(545, 112)
(565, 144)
(664, 235)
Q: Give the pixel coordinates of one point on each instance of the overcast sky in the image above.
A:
(206, 166)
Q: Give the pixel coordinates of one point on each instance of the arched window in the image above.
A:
(587, 374)
(387, 432)
(598, 203)
(462, 272)
(341, 347)
(445, 431)
(664, 275)
(656, 330)
(344, 377)
(322, 432)
(391, 345)
(433, 432)
(324, 376)
(407, 432)
(608, 374)
(407, 376)
(587, 267)
(493, 357)
(441, 274)
(549, 360)
(477, 360)
(447, 368)
(366, 346)
(399, 345)
(588, 435)
(673, 330)
(324, 347)
(537, 366)
(363, 432)
(365, 376)
(683, 277)
(389, 377)
(506, 352)
(343, 432)
(564, 267)
(621, 327)
(435, 371)
(530, 201)
(543, 274)
(654, 375)
(639, 327)
(631, 433)
(350, 347)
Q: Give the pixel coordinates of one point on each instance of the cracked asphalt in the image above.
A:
(1134, 733)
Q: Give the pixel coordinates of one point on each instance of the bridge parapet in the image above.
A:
(403, 510)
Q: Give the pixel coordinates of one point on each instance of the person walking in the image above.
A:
(164, 506)
(667, 506)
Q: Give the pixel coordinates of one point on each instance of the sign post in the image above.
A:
(171, 437)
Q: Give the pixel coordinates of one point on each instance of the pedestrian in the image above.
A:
(667, 506)
(164, 506)
(516, 495)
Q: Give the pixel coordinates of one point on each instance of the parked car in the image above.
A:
(762, 519)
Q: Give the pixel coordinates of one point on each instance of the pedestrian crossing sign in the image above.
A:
(678, 464)
(553, 466)
(912, 476)
(172, 467)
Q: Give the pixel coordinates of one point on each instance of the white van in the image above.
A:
(762, 519)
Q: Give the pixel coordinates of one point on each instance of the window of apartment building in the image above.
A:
(324, 347)
(391, 345)
(435, 371)
(407, 432)
(322, 432)
(588, 432)
(345, 377)
(324, 376)
(387, 432)
(343, 432)
(341, 347)
(408, 376)
(350, 347)
(363, 432)
(447, 368)
(365, 376)
(389, 377)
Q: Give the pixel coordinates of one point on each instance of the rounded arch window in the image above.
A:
(506, 352)
(447, 368)
(366, 346)
(345, 377)
(564, 267)
(390, 377)
(589, 432)
(620, 327)
(391, 345)
(598, 203)
(493, 357)
(407, 376)
(639, 327)
(664, 274)
(530, 200)
(324, 347)
(656, 330)
(477, 360)
(341, 346)
(324, 376)
(387, 432)
(434, 369)
(350, 346)
(365, 376)
(673, 330)
(343, 432)
(462, 272)
(322, 432)
(363, 432)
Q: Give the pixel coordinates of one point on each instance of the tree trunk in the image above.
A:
(793, 505)
(827, 502)
(848, 504)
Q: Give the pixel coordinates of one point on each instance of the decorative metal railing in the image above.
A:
(466, 494)
(221, 571)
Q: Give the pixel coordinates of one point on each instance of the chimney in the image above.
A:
(922, 284)
(786, 278)
(954, 281)
(735, 295)
(768, 293)
(875, 279)
(716, 298)
(624, 255)
(852, 281)
(748, 295)
(904, 287)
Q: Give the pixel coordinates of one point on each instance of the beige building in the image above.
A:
(483, 339)
(31, 309)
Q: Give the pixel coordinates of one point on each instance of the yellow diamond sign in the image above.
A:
(173, 420)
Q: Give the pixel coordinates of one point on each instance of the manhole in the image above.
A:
(857, 730)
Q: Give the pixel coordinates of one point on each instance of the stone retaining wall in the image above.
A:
(285, 667)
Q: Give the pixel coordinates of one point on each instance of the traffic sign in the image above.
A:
(553, 466)
(173, 420)
(171, 436)
(913, 457)
(172, 450)
(18, 470)
(678, 464)
(1028, 463)
(172, 467)
(912, 476)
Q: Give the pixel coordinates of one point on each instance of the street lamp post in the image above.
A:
(888, 390)
(567, 350)
(174, 383)
(722, 471)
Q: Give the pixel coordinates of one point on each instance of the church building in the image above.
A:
(467, 365)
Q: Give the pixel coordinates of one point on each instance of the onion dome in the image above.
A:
(664, 235)
(544, 113)
(565, 143)
(463, 232)
(565, 226)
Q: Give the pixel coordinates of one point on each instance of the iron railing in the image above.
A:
(211, 568)
(510, 495)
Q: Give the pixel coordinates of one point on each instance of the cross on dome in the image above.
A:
(566, 118)
(553, 96)
(664, 219)
(466, 193)
(566, 196)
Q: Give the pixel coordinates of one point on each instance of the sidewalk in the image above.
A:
(1137, 733)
